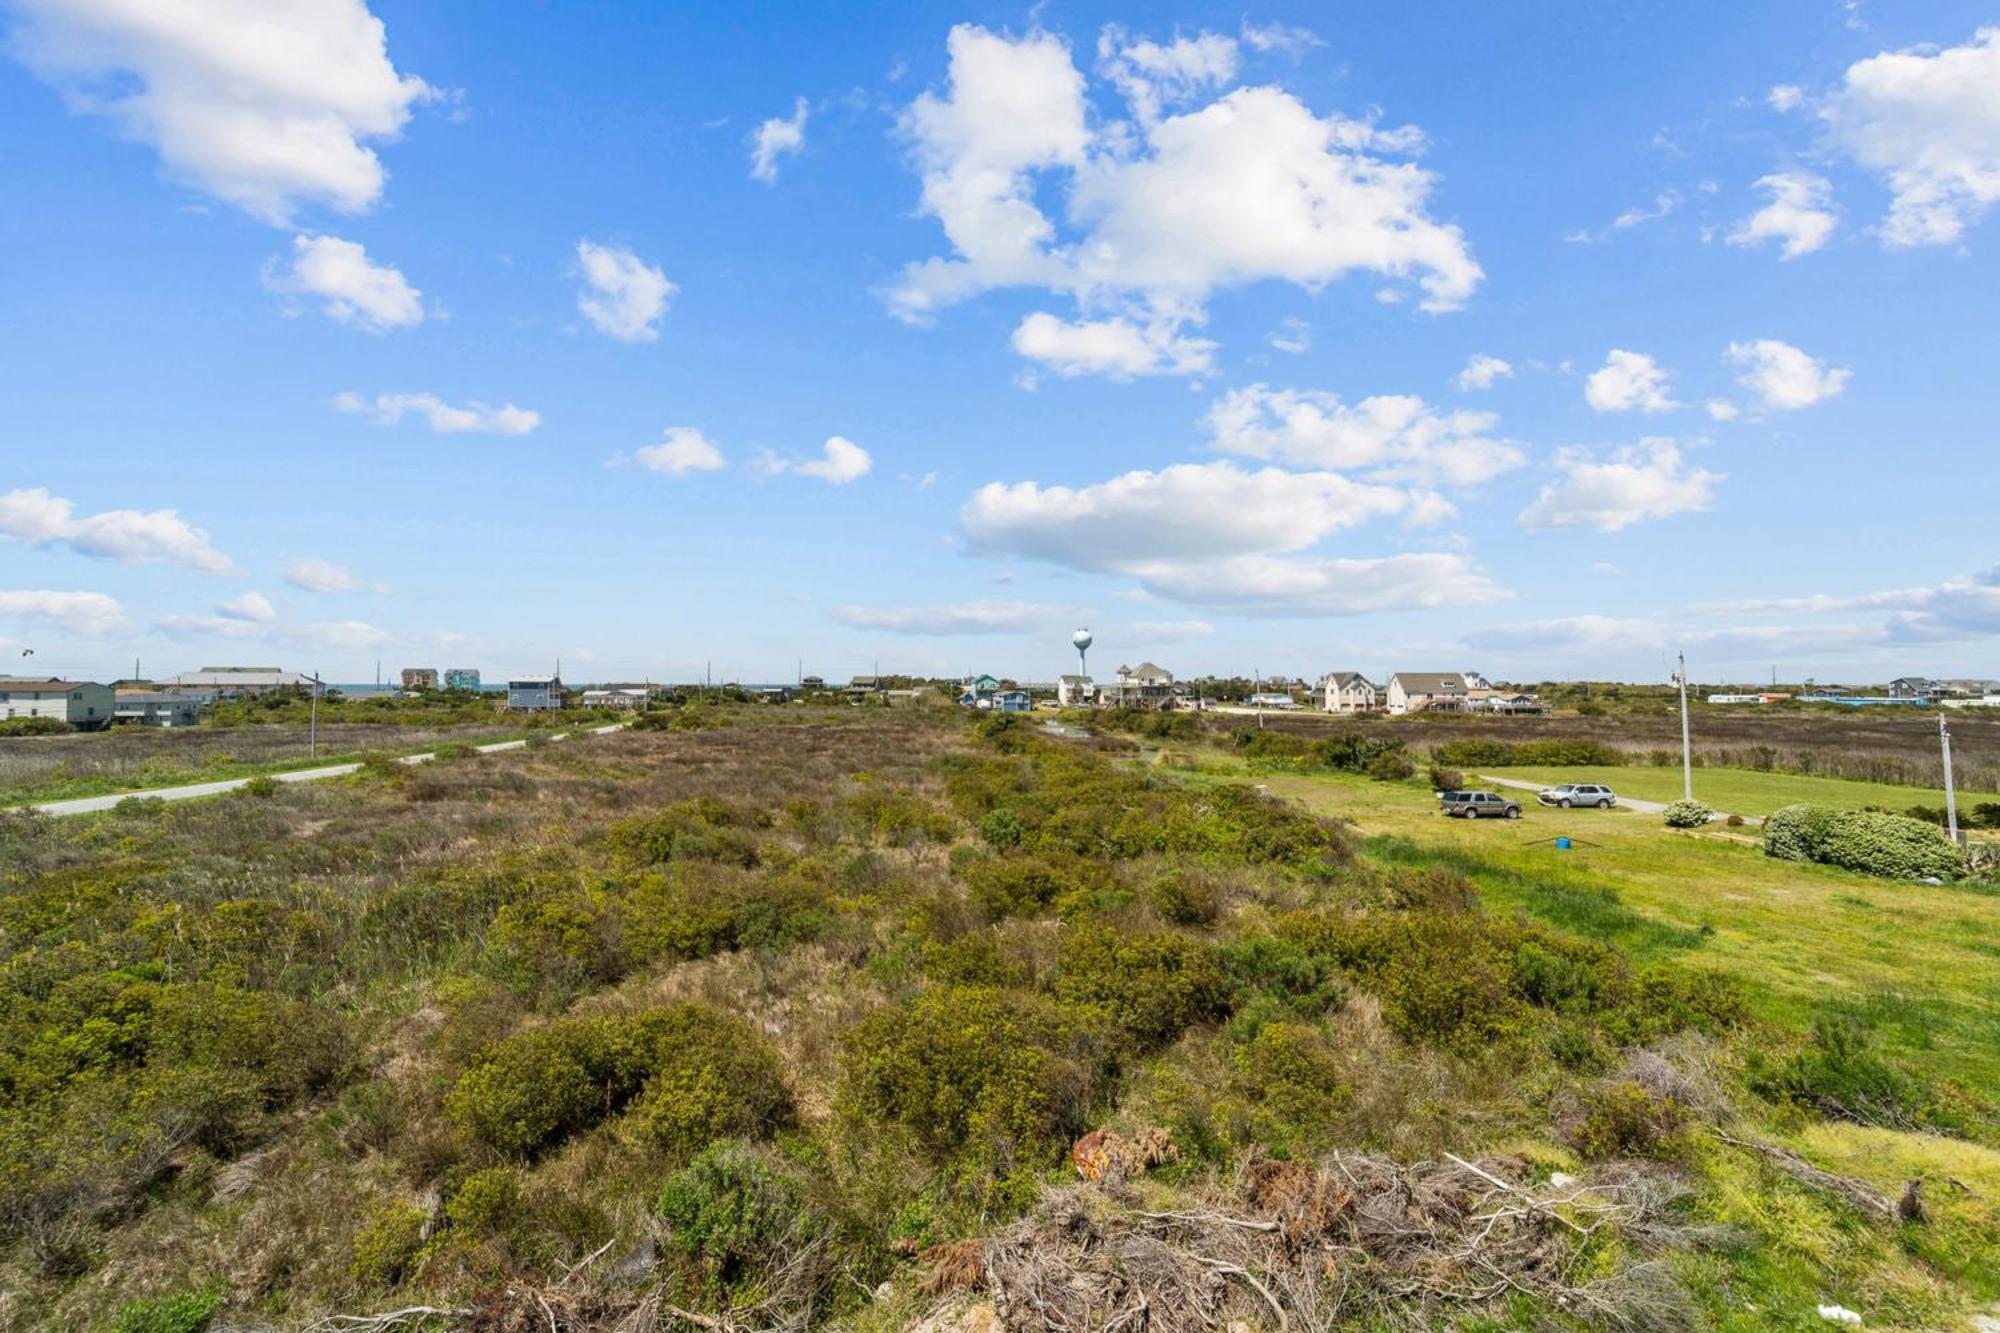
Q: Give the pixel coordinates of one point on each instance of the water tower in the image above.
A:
(1082, 641)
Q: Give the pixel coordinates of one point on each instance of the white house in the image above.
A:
(80, 703)
(615, 696)
(1347, 692)
(239, 681)
(1147, 685)
(158, 708)
(1075, 691)
(1420, 691)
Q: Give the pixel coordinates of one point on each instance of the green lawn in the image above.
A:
(1917, 962)
(1742, 791)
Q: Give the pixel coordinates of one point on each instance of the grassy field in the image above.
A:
(1743, 791)
(136, 759)
(791, 1020)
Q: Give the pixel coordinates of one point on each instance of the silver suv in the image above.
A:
(1480, 805)
(1578, 793)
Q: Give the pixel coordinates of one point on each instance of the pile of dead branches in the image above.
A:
(1290, 1245)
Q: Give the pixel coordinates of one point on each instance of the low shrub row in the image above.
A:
(1869, 841)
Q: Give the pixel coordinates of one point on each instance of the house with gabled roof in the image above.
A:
(1347, 692)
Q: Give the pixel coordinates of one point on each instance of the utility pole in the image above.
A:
(1687, 750)
(312, 734)
(1950, 794)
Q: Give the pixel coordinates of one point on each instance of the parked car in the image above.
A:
(1578, 793)
(1447, 799)
(1480, 805)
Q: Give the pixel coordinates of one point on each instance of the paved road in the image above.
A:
(1629, 802)
(86, 805)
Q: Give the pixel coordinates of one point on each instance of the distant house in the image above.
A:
(420, 678)
(865, 685)
(1965, 688)
(1347, 692)
(535, 694)
(611, 696)
(1504, 701)
(1075, 691)
(812, 682)
(1736, 698)
(83, 704)
(1147, 685)
(157, 708)
(239, 682)
(1427, 691)
(1272, 699)
(461, 678)
(1011, 701)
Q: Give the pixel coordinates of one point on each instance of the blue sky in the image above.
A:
(1545, 341)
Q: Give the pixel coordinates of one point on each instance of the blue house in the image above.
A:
(535, 694)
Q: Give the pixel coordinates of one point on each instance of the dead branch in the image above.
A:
(1863, 1197)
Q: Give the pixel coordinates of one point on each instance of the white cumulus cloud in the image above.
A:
(1387, 436)
(1643, 481)
(841, 461)
(1783, 377)
(623, 295)
(313, 574)
(129, 536)
(1928, 122)
(1116, 347)
(267, 104)
(1628, 381)
(252, 607)
(1483, 372)
(389, 408)
(780, 136)
(351, 288)
(1800, 214)
(684, 449)
(1166, 209)
(84, 613)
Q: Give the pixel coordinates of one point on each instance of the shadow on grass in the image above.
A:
(1561, 899)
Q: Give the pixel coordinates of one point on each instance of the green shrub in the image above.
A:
(1002, 829)
(995, 1080)
(34, 726)
(1472, 753)
(1186, 896)
(1868, 841)
(1572, 752)
(1153, 986)
(704, 829)
(554, 941)
(485, 1201)
(1288, 1075)
(1005, 886)
(1623, 1119)
(1840, 1075)
(181, 1312)
(1393, 766)
(711, 1077)
(1446, 779)
(697, 1075)
(389, 1243)
(264, 786)
(1687, 814)
(736, 1215)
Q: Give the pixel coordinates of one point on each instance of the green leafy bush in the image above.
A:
(1446, 779)
(1687, 814)
(736, 1214)
(1287, 1075)
(1868, 841)
(1472, 753)
(1623, 1119)
(33, 726)
(1186, 896)
(1392, 766)
(263, 786)
(1005, 886)
(389, 1243)
(697, 1075)
(1840, 1075)
(181, 1312)
(485, 1201)
(996, 1079)
(1153, 986)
